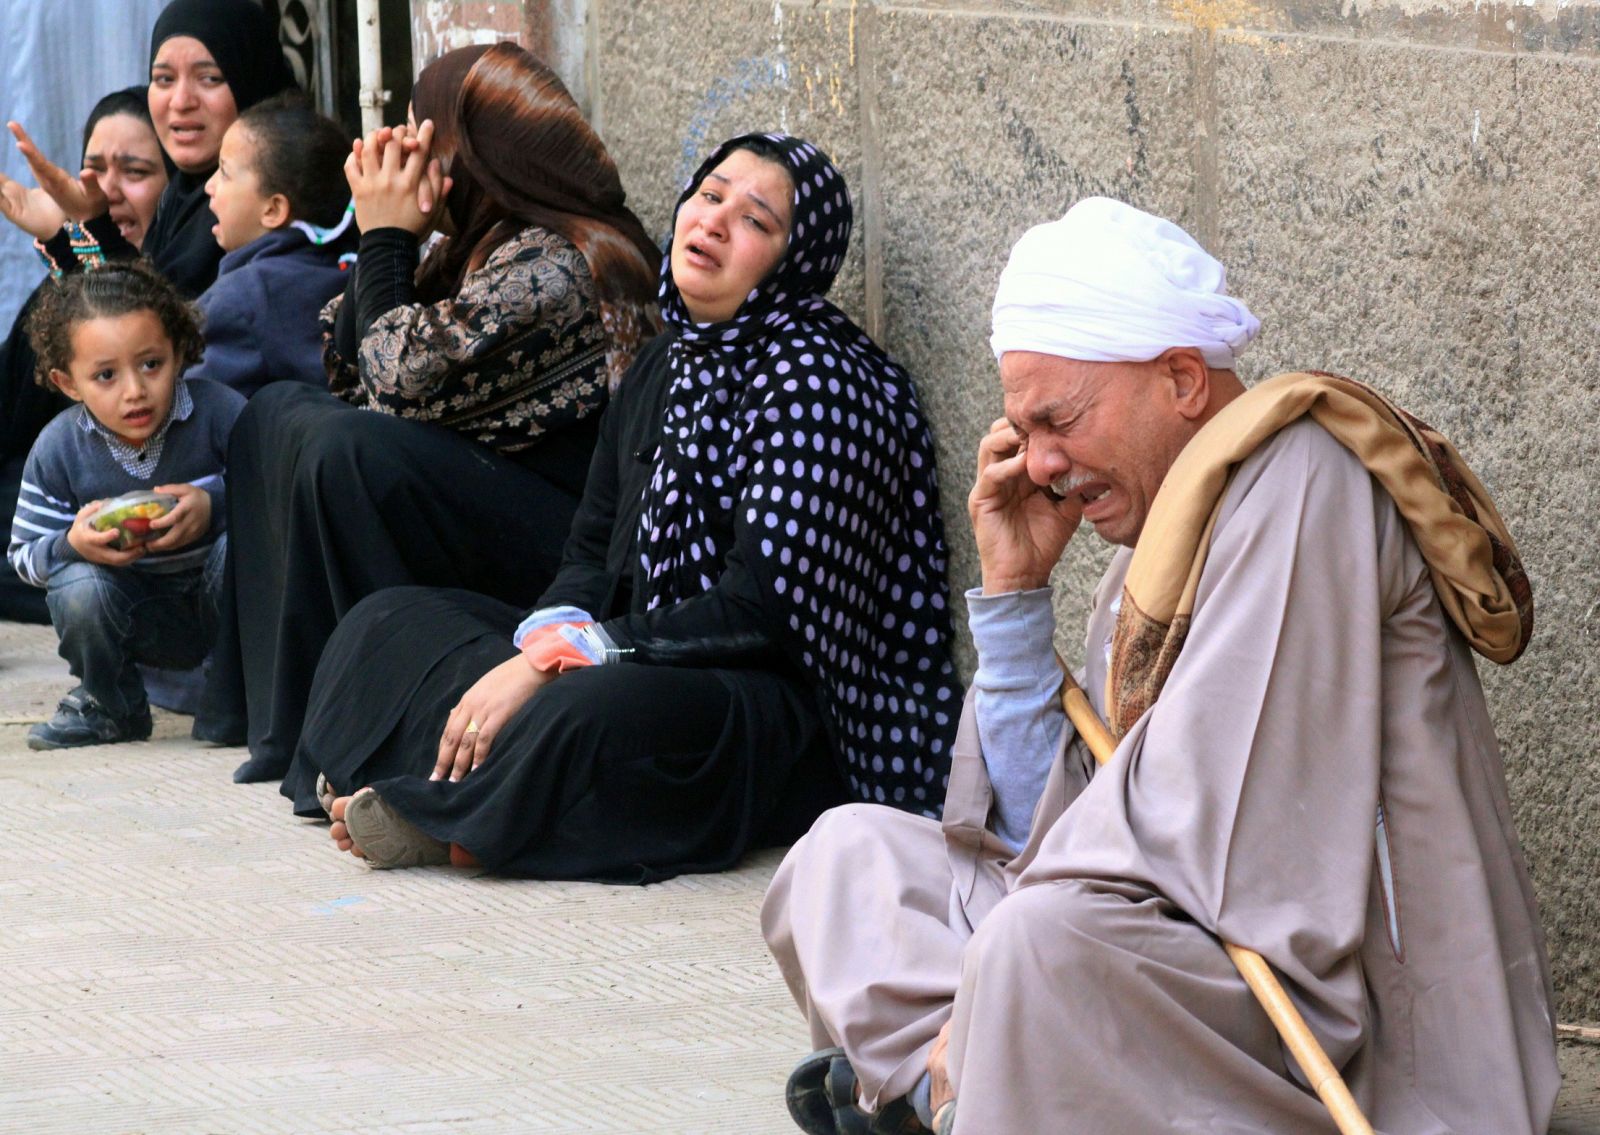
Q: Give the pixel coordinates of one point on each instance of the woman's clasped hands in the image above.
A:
(395, 181)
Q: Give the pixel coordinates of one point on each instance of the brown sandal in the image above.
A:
(388, 839)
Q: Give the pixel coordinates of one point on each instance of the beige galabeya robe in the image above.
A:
(1320, 688)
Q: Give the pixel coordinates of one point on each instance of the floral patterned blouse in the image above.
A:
(518, 351)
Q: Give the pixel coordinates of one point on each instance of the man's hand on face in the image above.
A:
(1021, 528)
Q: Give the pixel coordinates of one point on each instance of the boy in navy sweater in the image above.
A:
(117, 340)
(280, 197)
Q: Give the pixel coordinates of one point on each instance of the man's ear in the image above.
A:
(1191, 380)
(275, 213)
(63, 382)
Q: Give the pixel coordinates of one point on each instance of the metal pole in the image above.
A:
(373, 96)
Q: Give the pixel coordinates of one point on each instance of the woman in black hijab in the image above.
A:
(209, 61)
(750, 622)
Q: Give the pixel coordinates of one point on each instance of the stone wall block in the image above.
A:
(1427, 245)
(677, 77)
(990, 126)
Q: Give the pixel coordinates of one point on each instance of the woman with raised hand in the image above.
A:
(209, 61)
(481, 374)
(750, 620)
(121, 149)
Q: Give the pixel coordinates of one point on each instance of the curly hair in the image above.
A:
(121, 288)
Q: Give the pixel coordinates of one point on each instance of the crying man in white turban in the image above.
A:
(1304, 764)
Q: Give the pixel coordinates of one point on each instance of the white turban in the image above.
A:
(1108, 283)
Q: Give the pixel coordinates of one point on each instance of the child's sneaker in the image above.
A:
(80, 720)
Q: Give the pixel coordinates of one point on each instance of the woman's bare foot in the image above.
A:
(366, 825)
(339, 833)
(457, 856)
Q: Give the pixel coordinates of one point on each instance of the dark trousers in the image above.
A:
(109, 619)
(20, 601)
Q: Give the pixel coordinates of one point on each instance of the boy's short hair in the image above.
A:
(119, 288)
(300, 154)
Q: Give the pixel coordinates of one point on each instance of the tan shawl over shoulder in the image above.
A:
(1476, 570)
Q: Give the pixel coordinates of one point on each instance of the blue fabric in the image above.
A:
(1020, 722)
(59, 58)
(110, 619)
(544, 616)
(261, 315)
(140, 461)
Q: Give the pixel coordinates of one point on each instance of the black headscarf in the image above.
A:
(240, 36)
(789, 433)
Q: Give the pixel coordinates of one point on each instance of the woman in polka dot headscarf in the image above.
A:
(750, 623)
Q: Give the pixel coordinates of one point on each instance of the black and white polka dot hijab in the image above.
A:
(793, 442)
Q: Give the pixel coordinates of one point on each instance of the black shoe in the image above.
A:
(821, 1095)
(80, 720)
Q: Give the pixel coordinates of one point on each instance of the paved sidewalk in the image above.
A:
(183, 956)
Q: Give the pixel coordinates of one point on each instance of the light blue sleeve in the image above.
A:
(577, 627)
(544, 616)
(1020, 722)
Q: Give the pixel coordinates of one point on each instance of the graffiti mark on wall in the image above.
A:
(1218, 15)
(824, 84)
(748, 77)
(827, 22)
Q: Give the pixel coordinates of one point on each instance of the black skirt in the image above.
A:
(25, 409)
(20, 602)
(328, 504)
(617, 773)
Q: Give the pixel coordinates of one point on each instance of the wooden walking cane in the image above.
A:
(1257, 974)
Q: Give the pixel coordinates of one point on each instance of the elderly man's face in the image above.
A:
(1104, 432)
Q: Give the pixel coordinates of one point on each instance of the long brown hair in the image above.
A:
(520, 152)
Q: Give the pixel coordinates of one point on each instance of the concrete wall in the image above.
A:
(1406, 194)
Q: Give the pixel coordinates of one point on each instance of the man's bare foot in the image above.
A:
(339, 833)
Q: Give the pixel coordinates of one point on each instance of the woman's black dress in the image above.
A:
(634, 772)
(330, 501)
(25, 409)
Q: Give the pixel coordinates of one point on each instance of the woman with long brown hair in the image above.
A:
(482, 372)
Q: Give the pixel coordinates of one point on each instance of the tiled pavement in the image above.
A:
(182, 956)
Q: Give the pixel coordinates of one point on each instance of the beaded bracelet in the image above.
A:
(85, 246)
(49, 261)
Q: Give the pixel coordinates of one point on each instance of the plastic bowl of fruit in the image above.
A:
(131, 514)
